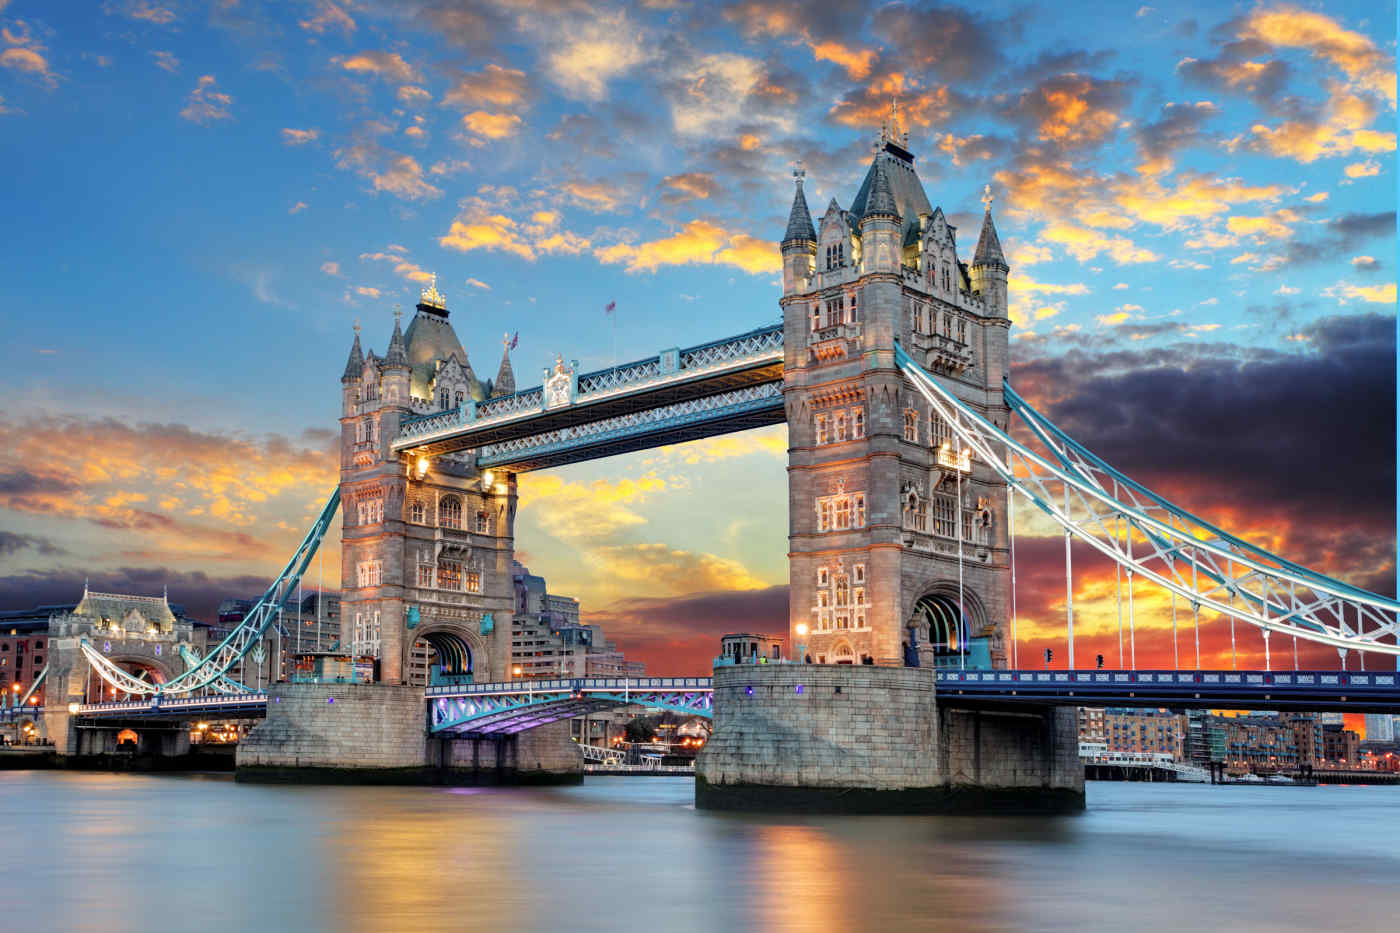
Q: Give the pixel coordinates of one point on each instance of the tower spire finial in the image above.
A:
(357, 328)
(398, 313)
(799, 171)
(987, 198)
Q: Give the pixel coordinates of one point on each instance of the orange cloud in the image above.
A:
(1083, 244)
(857, 62)
(493, 85)
(328, 16)
(1353, 53)
(292, 137)
(205, 104)
(698, 243)
(491, 125)
(387, 65)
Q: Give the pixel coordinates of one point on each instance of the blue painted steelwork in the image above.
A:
(248, 705)
(1351, 691)
(516, 706)
(1212, 571)
(668, 371)
(663, 420)
(212, 670)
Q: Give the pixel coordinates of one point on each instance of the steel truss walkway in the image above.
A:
(678, 395)
(251, 705)
(508, 708)
(1311, 691)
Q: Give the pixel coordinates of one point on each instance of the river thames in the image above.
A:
(85, 851)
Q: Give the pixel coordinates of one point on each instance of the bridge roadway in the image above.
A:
(515, 706)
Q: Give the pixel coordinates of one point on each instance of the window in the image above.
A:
(840, 421)
(361, 432)
(835, 311)
(483, 523)
(368, 573)
(816, 316)
(473, 581)
(459, 399)
(823, 576)
(824, 514)
(416, 512)
(449, 575)
(820, 424)
(857, 423)
(911, 425)
(444, 399)
(450, 512)
(843, 591)
(835, 254)
(859, 501)
(374, 431)
(943, 511)
(938, 430)
(370, 511)
(425, 574)
(855, 308)
(843, 513)
(918, 318)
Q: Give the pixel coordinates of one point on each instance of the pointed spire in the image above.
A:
(357, 358)
(988, 244)
(799, 218)
(881, 199)
(397, 355)
(505, 376)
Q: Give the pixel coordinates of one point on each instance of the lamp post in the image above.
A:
(801, 631)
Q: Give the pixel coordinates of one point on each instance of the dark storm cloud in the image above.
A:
(198, 592)
(682, 633)
(1342, 236)
(949, 43)
(1049, 64)
(11, 543)
(1309, 434)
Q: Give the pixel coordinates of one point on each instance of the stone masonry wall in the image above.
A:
(341, 726)
(851, 726)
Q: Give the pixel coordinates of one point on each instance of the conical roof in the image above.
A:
(356, 363)
(910, 200)
(505, 378)
(397, 355)
(799, 218)
(880, 202)
(988, 245)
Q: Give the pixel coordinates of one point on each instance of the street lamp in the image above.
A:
(802, 643)
(515, 671)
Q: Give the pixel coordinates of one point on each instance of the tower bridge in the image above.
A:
(890, 369)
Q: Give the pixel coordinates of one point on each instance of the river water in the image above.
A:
(108, 852)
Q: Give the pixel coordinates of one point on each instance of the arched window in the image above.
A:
(858, 423)
(416, 512)
(840, 426)
(911, 425)
(845, 654)
(460, 397)
(444, 399)
(450, 512)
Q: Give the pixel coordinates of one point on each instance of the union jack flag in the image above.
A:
(515, 341)
(610, 307)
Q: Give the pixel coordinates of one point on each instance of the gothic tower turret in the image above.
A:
(989, 268)
(880, 226)
(799, 242)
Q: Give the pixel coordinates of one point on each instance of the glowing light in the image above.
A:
(73, 708)
(488, 479)
(421, 467)
(802, 630)
(960, 461)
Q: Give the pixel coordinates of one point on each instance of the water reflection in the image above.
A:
(120, 852)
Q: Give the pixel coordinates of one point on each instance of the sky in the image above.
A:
(1197, 202)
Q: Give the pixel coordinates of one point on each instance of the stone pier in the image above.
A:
(377, 734)
(867, 739)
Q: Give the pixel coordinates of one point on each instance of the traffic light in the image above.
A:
(1048, 655)
(1099, 659)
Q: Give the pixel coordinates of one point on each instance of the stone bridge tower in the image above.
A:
(426, 547)
(885, 515)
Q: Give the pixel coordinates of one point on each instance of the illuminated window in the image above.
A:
(840, 423)
(823, 576)
(483, 523)
(911, 425)
(449, 575)
(843, 591)
(857, 423)
(820, 427)
(843, 512)
(450, 512)
(425, 574)
(859, 501)
(854, 317)
(473, 581)
(368, 573)
(858, 573)
(816, 316)
(939, 430)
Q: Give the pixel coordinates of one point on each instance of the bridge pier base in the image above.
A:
(861, 739)
(377, 734)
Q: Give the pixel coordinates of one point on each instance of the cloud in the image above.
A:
(206, 104)
(598, 196)
(1365, 263)
(1084, 244)
(1071, 111)
(29, 61)
(387, 65)
(398, 174)
(942, 41)
(594, 51)
(331, 268)
(402, 267)
(711, 95)
(856, 61)
(1356, 55)
(1367, 169)
(699, 242)
(492, 86)
(166, 61)
(11, 543)
(1375, 294)
(328, 16)
(491, 125)
(483, 223)
(1341, 129)
(150, 13)
(294, 137)
(366, 291)
(477, 283)
(688, 186)
(411, 95)
(297, 208)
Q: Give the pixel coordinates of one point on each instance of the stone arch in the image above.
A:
(458, 648)
(935, 629)
(843, 653)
